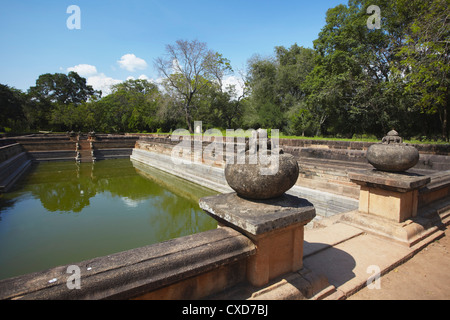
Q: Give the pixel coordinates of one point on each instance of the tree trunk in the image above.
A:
(188, 119)
(445, 125)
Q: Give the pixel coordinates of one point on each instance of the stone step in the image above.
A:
(14, 173)
(85, 151)
(10, 165)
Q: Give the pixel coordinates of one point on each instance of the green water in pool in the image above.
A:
(63, 213)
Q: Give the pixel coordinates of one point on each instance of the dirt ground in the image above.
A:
(426, 276)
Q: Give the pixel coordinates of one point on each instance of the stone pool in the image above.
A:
(64, 212)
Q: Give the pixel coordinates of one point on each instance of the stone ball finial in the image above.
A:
(263, 180)
(392, 133)
(392, 155)
(392, 137)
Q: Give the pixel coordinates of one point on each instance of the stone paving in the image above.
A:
(424, 277)
(338, 261)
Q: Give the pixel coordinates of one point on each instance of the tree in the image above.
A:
(370, 81)
(426, 57)
(131, 107)
(52, 100)
(262, 77)
(139, 86)
(188, 68)
(219, 107)
(353, 85)
(301, 121)
(62, 88)
(11, 107)
(276, 84)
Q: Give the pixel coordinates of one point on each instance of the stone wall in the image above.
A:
(190, 267)
(9, 151)
(291, 144)
(324, 164)
(14, 163)
(211, 175)
(114, 142)
(61, 147)
(113, 147)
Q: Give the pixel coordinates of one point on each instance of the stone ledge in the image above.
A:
(256, 217)
(12, 169)
(136, 272)
(202, 174)
(9, 151)
(429, 220)
(401, 182)
(53, 155)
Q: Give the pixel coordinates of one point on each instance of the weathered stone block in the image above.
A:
(393, 196)
(275, 226)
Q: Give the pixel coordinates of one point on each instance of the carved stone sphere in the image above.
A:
(392, 155)
(249, 181)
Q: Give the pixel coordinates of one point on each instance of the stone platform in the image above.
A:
(351, 250)
(275, 226)
(338, 260)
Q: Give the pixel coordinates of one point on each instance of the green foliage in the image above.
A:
(11, 108)
(356, 82)
(131, 107)
(362, 82)
(276, 85)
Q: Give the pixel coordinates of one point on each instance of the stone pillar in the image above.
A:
(275, 226)
(393, 196)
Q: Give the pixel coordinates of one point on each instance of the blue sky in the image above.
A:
(119, 39)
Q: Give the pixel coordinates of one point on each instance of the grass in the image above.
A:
(356, 139)
(362, 138)
(330, 139)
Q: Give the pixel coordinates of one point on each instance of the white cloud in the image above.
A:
(132, 63)
(176, 68)
(132, 203)
(141, 77)
(84, 70)
(144, 77)
(102, 82)
(236, 82)
(99, 81)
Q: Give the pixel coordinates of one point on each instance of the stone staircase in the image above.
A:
(85, 152)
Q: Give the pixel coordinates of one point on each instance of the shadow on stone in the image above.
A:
(337, 265)
(285, 200)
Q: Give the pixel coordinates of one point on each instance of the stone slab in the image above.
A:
(322, 238)
(204, 175)
(401, 182)
(258, 216)
(428, 221)
(346, 265)
(135, 272)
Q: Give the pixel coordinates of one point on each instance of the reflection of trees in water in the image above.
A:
(173, 216)
(174, 184)
(64, 196)
(176, 213)
(72, 187)
(66, 187)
